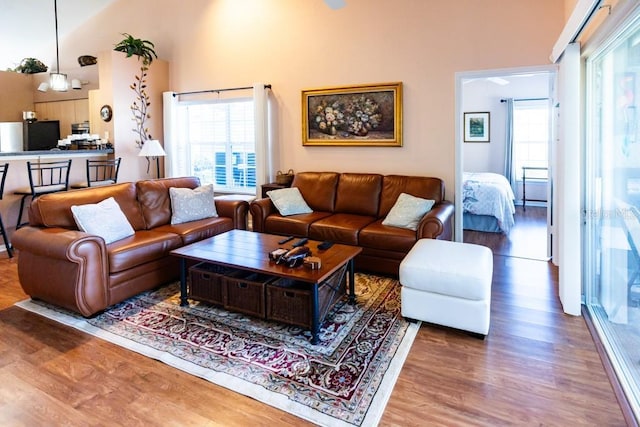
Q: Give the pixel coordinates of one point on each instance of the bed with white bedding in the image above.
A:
(488, 202)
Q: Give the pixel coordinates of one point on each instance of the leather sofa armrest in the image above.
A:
(236, 210)
(260, 210)
(65, 267)
(437, 223)
(53, 242)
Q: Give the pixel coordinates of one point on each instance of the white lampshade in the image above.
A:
(152, 148)
(76, 84)
(43, 87)
(58, 82)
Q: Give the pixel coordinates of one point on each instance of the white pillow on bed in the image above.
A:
(408, 211)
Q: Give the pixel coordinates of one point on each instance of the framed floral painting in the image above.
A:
(362, 115)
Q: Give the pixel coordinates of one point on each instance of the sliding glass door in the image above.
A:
(612, 201)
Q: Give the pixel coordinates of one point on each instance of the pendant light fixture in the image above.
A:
(58, 81)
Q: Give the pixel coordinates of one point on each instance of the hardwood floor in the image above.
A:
(527, 239)
(538, 366)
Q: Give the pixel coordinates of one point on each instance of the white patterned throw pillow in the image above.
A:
(190, 205)
(104, 219)
(289, 201)
(408, 211)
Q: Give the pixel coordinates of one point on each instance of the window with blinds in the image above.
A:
(217, 144)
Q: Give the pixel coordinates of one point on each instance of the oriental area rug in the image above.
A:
(344, 380)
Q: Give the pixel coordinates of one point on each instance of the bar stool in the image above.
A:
(44, 178)
(3, 174)
(100, 172)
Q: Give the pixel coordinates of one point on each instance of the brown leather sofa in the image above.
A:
(349, 208)
(59, 264)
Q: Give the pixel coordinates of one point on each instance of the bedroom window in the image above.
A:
(221, 148)
(531, 136)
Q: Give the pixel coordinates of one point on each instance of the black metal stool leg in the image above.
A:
(7, 244)
(20, 224)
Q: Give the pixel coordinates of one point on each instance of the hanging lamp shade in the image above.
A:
(58, 81)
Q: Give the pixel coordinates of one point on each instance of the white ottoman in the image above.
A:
(448, 283)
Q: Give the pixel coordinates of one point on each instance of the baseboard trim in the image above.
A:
(621, 396)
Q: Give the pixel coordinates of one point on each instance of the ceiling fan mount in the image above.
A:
(335, 4)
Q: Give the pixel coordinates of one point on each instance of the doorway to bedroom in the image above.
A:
(504, 177)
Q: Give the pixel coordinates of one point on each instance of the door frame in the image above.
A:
(460, 77)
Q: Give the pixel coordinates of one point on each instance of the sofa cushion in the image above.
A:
(54, 210)
(192, 204)
(418, 186)
(383, 237)
(104, 219)
(408, 211)
(318, 189)
(358, 194)
(194, 231)
(289, 201)
(143, 247)
(340, 228)
(296, 225)
(155, 202)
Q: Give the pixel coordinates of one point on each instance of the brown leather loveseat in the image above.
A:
(349, 208)
(59, 264)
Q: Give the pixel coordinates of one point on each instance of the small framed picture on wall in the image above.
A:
(476, 127)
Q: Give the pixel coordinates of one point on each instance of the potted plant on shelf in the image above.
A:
(144, 50)
(31, 66)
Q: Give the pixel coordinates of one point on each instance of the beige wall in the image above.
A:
(295, 45)
(15, 95)
(117, 73)
(569, 5)
(301, 44)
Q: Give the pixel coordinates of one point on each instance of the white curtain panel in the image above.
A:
(264, 158)
(170, 121)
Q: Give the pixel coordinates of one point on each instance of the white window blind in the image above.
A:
(217, 144)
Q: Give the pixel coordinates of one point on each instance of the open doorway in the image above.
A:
(504, 180)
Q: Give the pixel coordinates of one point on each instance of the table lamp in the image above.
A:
(153, 150)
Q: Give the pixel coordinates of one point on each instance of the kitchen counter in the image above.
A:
(53, 154)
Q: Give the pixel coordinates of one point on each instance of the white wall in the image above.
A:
(483, 94)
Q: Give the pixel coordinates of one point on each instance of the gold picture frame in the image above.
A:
(361, 115)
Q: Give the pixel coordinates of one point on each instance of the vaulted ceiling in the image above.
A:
(27, 28)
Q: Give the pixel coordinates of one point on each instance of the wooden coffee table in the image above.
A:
(249, 251)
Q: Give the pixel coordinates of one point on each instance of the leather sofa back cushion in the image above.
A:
(155, 202)
(418, 186)
(358, 193)
(54, 210)
(318, 189)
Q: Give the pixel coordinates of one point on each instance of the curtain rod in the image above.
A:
(526, 99)
(267, 86)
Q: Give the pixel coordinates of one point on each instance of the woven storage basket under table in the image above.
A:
(245, 292)
(206, 282)
(290, 301)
